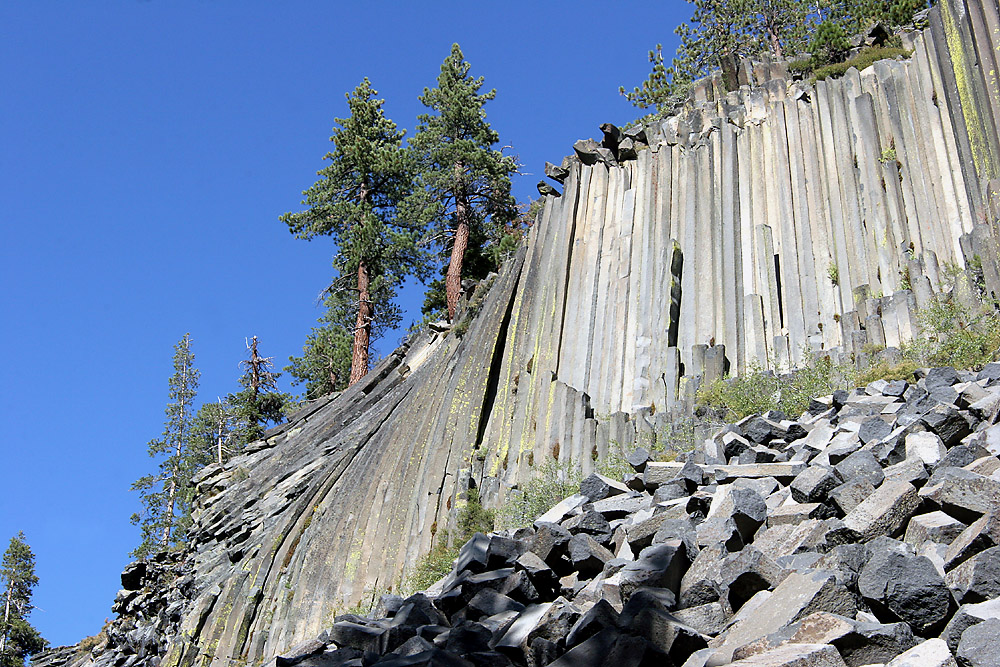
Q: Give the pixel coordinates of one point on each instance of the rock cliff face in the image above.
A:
(754, 225)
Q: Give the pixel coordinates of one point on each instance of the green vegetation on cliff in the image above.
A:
(18, 639)
(463, 190)
(356, 203)
(721, 32)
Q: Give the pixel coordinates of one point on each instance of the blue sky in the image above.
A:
(147, 149)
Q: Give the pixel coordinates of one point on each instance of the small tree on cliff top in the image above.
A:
(718, 35)
(259, 402)
(166, 496)
(18, 639)
(464, 183)
(355, 201)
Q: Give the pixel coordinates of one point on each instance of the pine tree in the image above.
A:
(259, 403)
(18, 639)
(355, 202)
(325, 364)
(166, 495)
(212, 432)
(718, 35)
(464, 183)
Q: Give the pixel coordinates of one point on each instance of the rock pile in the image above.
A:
(864, 533)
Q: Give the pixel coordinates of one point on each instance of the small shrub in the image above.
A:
(472, 518)
(833, 273)
(881, 370)
(829, 44)
(88, 644)
(552, 482)
(434, 565)
(614, 465)
(758, 390)
(802, 66)
(862, 61)
(888, 154)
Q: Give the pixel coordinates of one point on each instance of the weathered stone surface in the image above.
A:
(795, 655)
(850, 494)
(962, 494)
(980, 534)
(977, 579)
(813, 484)
(861, 465)
(967, 616)
(907, 587)
(885, 512)
(748, 572)
(980, 644)
(931, 653)
(799, 595)
(660, 565)
(934, 526)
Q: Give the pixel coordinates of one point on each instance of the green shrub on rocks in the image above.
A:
(862, 61)
(552, 482)
(759, 390)
(956, 335)
(472, 518)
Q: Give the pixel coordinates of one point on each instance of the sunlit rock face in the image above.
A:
(753, 225)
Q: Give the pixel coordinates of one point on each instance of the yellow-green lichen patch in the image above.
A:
(974, 124)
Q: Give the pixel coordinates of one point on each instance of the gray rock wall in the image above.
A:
(712, 248)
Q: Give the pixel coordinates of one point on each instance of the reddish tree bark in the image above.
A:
(453, 280)
(363, 327)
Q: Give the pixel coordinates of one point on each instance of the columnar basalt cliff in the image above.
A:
(760, 224)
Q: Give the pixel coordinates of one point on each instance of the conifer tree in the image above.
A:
(464, 182)
(355, 202)
(718, 35)
(259, 403)
(325, 364)
(18, 639)
(166, 495)
(212, 432)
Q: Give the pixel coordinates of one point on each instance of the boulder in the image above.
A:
(980, 645)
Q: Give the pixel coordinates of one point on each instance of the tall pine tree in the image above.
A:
(18, 639)
(464, 182)
(355, 202)
(166, 496)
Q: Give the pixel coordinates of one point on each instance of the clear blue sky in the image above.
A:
(147, 149)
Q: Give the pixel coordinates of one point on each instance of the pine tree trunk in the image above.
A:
(363, 328)
(453, 281)
(169, 513)
(6, 621)
(776, 50)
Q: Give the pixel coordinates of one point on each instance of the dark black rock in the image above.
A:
(503, 551)
(660, 565)
(904, 586)
(861, 465)
(474, 554)
(546, 189)
(947, 423)
(895, 388)
(587, 554)
(133, 574)
(556, 173)
(991, 372)
(602, 615)
(814, 483)
(977, 579)
(874, 428)
(940, 377)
